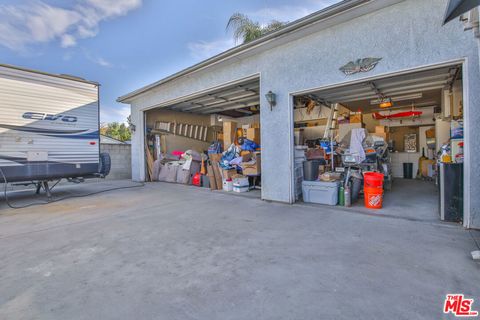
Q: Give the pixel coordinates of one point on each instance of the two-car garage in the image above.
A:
(419, 96)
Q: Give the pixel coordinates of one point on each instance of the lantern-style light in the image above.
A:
(271, 98)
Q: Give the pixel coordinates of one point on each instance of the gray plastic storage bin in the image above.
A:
(320, 192)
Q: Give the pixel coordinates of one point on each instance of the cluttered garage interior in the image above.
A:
(211, 140)
(399, 137)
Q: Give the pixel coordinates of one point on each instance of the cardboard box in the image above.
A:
(356, 117)
(215, 157)
(253, 169)
(218, 176)
(229, 133)
(246, 156)
(430, 133)
(229, 174)
(211, 177)
(381, 129)
(214, 172)
(254, 135)
(255, 125)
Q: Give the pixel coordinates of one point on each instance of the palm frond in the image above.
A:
(243, 27)
(247, 30)
(274, 25)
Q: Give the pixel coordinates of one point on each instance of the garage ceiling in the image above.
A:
(421, 89)
(238, 100)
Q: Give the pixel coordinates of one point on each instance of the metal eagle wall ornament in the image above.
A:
(361, 65)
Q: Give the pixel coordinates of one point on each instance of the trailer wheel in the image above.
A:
(105, 164)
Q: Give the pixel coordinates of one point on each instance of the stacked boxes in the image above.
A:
(254, 135)
(253, 169)
(229, 134)
(382, 131)
(241, 184)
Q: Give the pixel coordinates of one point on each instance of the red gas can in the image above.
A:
(197, 179)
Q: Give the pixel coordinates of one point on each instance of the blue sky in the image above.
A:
(126, 44)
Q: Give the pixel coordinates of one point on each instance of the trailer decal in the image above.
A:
(71, 134)
(40, 130)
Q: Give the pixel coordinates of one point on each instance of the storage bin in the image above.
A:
(320, 192)
(227, 185)
(241, 189)
(310, 170)
(241, 182)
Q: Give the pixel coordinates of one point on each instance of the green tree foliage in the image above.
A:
(246, 29)
(116, 130)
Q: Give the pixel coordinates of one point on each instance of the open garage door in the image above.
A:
(236, 100)
(398, 126)
(186, 139)
(421, 89)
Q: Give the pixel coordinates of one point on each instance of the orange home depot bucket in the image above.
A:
(373, 198)
(373, 180)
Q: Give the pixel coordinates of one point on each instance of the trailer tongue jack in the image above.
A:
(46, 187)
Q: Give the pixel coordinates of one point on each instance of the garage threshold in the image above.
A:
(252, 194)
(412, 200)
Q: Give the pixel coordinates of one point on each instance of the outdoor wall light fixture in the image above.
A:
(272, 99)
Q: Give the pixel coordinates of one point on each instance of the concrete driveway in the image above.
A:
(174, 252)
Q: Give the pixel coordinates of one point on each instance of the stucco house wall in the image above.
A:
(406, 34)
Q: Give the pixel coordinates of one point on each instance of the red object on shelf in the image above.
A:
(406, 114)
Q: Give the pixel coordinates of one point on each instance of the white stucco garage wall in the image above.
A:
(407, 35)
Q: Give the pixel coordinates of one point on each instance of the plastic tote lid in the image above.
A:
(331, 184)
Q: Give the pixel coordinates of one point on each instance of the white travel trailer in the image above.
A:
(49, 127)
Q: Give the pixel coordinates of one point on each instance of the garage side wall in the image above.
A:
(406, 35)
(138, 142)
